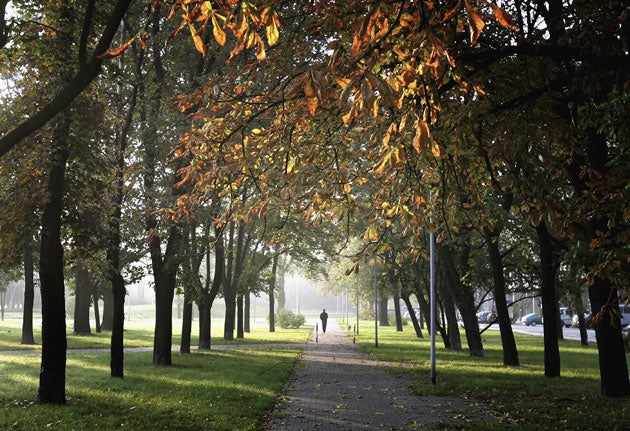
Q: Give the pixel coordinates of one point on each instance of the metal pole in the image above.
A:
(375, 305)
(432, 301)
(357, 280)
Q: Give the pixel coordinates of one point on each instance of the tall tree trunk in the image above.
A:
(280, 291)
(399, 326)
(613, 366)
(549, 301)
(52, 377)
(462, 294)
(452, 328)
(116, 279)
(247, 310)
(82, 301)
(510, 353)
(29, 292)
(412, 315)
(107, 321)
(383, 317)
(184, 345)
(97, 313)
(240, 332)
(210, 292)
(229, 290)
(272, 284)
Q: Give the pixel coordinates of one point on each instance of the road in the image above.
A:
(569, 333)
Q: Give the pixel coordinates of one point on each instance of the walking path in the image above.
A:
(336, 388)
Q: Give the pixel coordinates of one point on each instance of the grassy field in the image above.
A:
(210, 390)
(522, 395)
(235, 389)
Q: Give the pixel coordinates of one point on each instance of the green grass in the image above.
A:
(140, 334)
(522, 395)
(209, 390)
(215, 390)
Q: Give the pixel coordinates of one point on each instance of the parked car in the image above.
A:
(486, 317)
(532, 319)
(575, 321)
(625, 314)
(567, 321)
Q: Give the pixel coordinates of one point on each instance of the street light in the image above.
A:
(375, 305)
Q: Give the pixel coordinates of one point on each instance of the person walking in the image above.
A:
(324, 318)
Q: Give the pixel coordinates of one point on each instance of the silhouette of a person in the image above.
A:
(324, 318)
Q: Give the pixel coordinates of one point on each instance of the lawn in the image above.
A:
(521, 395)
(205, 390)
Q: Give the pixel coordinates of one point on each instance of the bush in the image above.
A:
(288, 319)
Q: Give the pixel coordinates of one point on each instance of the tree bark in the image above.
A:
(229, 290)
(210, 292)
(82, 301)
(462, 294)
(184, 345)
(383, 318)
(510, 352)
(52, 377)
(549, 301)
(247, 317)
(399, 326)
(452, 329)
(412, 315)
(29, 292)
(240, 332)
(272, 284)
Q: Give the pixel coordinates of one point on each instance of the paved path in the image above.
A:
(336, 388)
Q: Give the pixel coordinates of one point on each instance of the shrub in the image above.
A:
(288, 319)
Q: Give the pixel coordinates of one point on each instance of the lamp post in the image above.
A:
(357, 288)
(432, 297)
(375, 305)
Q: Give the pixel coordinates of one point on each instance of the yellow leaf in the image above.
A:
(475, 22)
(199, 45)
(290, 165)
(308, 88)
(217, 31)
(342, 82)
(261, 54)
(347, 188)
(423, 137)
(372, 235)
(312, 105)
(271, 30)
(381, 165)
(435, 149)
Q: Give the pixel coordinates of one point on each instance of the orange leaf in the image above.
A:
(422, 138)
(502, 16)
(199, 45)
(217, 32)
(117, 51)
(271, 30)
(449, 14)
(312, 105)
(475, 22)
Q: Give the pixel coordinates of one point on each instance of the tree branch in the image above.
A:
(75, 87)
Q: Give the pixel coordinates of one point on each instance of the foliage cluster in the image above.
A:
(288, 319)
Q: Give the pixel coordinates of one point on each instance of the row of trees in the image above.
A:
(500, 128)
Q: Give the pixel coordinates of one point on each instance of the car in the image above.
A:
(624, 310)
(532, 319)
(567, 321)
(575, 322)
(486, 317)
